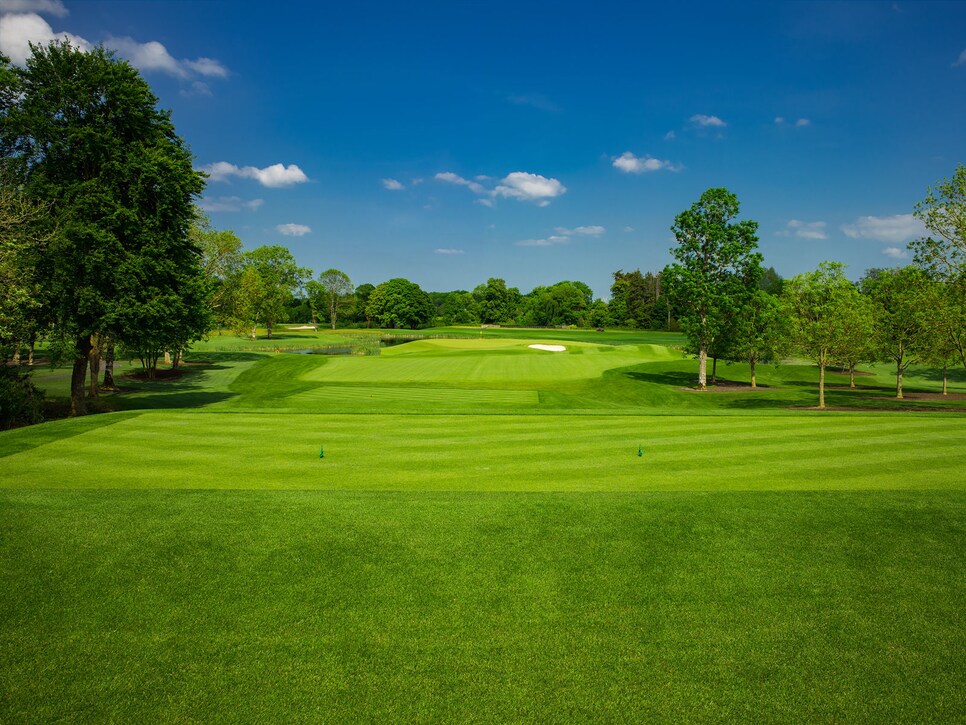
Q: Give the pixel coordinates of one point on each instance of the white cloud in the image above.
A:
(961, 60)
(896, 229)
(229, 203)
(18, 31)
(534, 100)
(779, 120)
(47, 7)
(207, 67)
(591, 231)
(627, 229)
(806, 230)
(293, 230)
(485, 202)
(703, 120)
(550, 241)
(450, 178)
(392, 185)
(274, 176)
(153, 56)
(896, 253)
(448, 251)
(523, 186)
(631, 164)
(670, 136)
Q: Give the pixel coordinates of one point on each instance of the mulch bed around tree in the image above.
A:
(730, 387)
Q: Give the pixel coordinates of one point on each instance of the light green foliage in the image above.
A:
(899, 302)
(269, 278)
(221, 261)
(817, 305)
(943, 212)
(717, 268)
(21, 244)
(760, 332)
(332, 289)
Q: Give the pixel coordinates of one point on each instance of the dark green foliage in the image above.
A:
(564, 303)
(634, 300)
(82, 134)
(400, 303)
(495, 301)
(21, 402)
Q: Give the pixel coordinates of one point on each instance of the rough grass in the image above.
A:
(481, 542)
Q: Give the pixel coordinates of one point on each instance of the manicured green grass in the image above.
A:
(481, 542)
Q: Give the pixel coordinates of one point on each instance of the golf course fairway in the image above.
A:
(479, 531)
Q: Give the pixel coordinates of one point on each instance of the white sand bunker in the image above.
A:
(548, 348)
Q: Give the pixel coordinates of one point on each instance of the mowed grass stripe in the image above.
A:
(174, 606)
(499, 452)
(410, 393)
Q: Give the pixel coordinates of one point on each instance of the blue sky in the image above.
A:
(450, 142)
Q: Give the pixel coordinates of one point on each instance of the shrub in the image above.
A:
(21, 402)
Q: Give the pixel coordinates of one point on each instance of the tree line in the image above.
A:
(103, 249)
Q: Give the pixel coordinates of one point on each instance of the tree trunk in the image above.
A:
(16, 353)
(821, 382)
(703, 368)
(333, 319)
(30, 355)
(754, 382)
(945, 387)
(714, 369)
(108, 383)
(94, 364)
(254, 331)
(899, 374)
(268, 330)
(852, 375)
(78, 375)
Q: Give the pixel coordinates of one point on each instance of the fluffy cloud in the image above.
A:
(591, 231)
(896, 229)
(293, 230)
(18, 31)
(229, 203)
(631, 164)
(274, 176)
(450, 178)
(896, 253)
(703, 120)
(518, 185)
(47, 7)
(529, 187)
(806, 230)
(392, 185)
(448, 251)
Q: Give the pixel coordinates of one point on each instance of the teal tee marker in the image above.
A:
(640, 451)
(321, 452)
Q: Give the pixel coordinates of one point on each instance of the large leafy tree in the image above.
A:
(221, 261)
(717, 268)
(332, 289)
(495, 301)
(900, 324)
(759, 333)
(400, 303)
(81, 133)
(269, 278)
(943, 212)
(817, 306)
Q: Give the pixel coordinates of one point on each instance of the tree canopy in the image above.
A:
(717, 268)
(81, 133)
